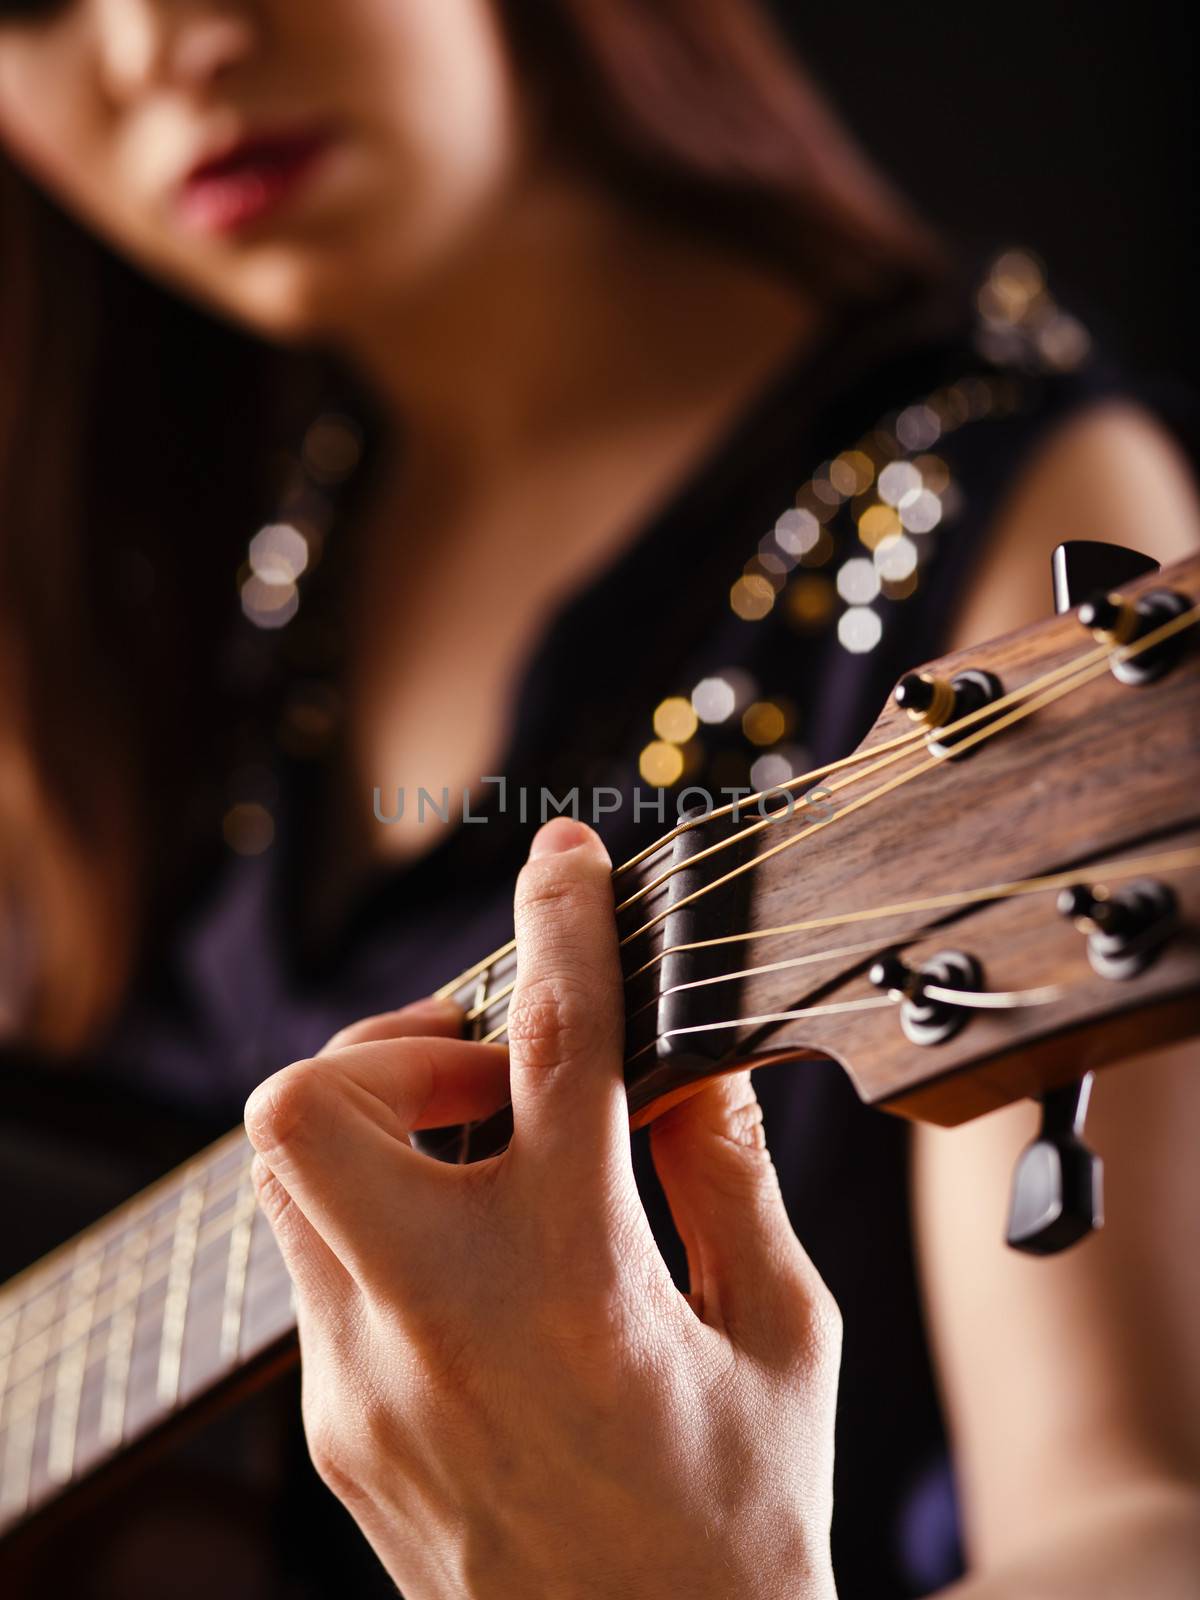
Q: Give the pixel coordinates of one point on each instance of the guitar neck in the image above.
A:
(151, 1309)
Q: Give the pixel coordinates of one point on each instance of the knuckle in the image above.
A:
(548, 888)
(273, 1199)
(589, 1338)
(332, 1454)
(818, 1345)
(744, 1123)
(744, 1165)
(608, 1328)
(550, 1020)
(827, 1325)
(284, 1105)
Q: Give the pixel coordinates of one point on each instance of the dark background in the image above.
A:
(1069, 129)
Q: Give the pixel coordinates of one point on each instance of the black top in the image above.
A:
(817, 554)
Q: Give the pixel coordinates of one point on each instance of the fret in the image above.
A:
(128, 1277)
(37, 1336)
(179, 1283)
(485, 997)
(8, 1343)
(36, 1293)
(237, 1267)
(144, 1408)
(34, 1335)
(268, 1309)
(118, 1348)
(479, 1024)
(203, 1359)
(30, 1365)
(130, 1319)
(20, 1428)
(75, 1329)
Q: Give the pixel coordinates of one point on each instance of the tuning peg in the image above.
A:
(927, 700)
(1058, 1190)
(1084, 572)
(1108, 618)
(1126, 928)
(934, 702)
(1080, 567)
(928, 1019)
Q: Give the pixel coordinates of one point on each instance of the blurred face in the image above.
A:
(287, 162)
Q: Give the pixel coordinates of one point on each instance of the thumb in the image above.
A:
(750, 1277)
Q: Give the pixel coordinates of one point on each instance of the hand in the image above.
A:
(501, 1381)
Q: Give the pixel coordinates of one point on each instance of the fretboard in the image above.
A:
(152, 1308)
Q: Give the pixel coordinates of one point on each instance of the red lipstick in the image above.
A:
(249, 179)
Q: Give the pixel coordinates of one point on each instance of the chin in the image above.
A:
(290, 298)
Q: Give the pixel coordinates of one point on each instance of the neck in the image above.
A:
(566, 313)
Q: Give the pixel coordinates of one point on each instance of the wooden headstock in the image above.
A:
(1078, 779)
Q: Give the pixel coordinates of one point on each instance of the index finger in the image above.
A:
(334, 1131)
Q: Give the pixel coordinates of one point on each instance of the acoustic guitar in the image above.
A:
(997, 893)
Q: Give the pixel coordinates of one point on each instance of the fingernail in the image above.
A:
(562, 833)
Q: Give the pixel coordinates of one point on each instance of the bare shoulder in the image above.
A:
(1112, 472)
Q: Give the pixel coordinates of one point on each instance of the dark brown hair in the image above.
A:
(136, 433)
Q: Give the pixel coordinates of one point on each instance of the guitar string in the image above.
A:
(956, 899)
(1106, 870)
(897, 747)
(1103, 656)
(892, 749)
(215, 1153)
(988, 731)
(834, 954)
(1109, 870)
(912, 737)
(108, 1303)
(273, 1296)
(109, 1232)
(900, 741)
(949, 901)
(1008, 1001)
(1035, 703)
(1126, 652)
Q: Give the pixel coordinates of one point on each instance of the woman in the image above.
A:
(597, 293)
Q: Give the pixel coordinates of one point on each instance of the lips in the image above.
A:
(249, 179)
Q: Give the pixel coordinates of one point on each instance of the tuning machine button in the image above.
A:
(935, 702)
(1125, 930)
(927, 1020)
(1116, 621)
(1058, 1183)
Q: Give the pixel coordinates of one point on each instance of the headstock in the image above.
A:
(996, 893)
(966, 842)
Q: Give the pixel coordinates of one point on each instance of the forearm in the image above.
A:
(1143, 1540)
